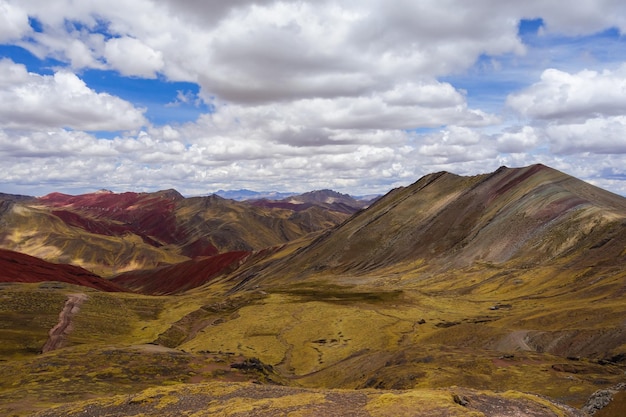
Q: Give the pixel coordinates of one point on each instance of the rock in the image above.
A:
(252, 364)
(598, 401)
(564, 367)
(460, 400)
(601, 398)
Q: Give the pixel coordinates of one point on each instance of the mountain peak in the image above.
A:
(170, 193)
(518, 215)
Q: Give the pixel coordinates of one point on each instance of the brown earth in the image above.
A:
(63, 328)
(239, 400)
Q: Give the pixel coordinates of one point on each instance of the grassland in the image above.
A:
(108, 351)
(347, 338)
(394, 334)
(245, 399)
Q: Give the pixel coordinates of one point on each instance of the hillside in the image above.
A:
(498, 294)
(325, 199)
(18, 267)
(524, 217)
(109, 233)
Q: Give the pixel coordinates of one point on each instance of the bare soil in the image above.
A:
(59, 332)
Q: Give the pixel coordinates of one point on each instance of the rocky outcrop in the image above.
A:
(602, 398)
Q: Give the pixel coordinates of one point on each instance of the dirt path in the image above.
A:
(58, 333)
(516, 340)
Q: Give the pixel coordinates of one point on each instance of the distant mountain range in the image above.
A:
(243, 195)
(108, 233)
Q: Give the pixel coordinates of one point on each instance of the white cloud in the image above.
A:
(321, 121)
(185, 97)
(13, 22)
(431, 95)
(265, 51)
(518, 140)
(307, 94)
(245, 51)
(132, 57)
(596, 135)
(588, 16)
(456, 144)
(562, 96)
(54, 143)
(30, 101)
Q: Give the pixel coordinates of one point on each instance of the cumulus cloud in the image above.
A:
(132, 57)
(54, 143)
(139, 162)
(596, 135)
(587, 17)
(456, 144)
(563, 96)
(367, 112)
(518, 140)
(260, 51)
(246, 51)
(13, 22)
(29, 101)
(302, 94)
(574, 113)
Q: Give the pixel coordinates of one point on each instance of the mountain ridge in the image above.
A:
(501, 217)
(110, 232)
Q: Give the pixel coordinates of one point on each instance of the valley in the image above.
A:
(499, 294)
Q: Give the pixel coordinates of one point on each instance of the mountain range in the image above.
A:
(496, 294)
(108, 233)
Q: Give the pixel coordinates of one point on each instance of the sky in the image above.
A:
(356, 96)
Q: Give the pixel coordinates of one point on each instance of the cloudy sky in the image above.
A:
(358, 96)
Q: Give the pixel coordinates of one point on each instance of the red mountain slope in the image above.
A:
(148, 215)
(177, 278)
(109, 233)
(18, 267)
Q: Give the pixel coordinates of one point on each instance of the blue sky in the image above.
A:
(359, 97)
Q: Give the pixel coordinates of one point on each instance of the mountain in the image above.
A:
(522, 218)
(18, 267)
(325, 199)
(109, 233)
(496, 294)
(483, 281)
(243, 194)
(174, 279)
(14, 197)
(474, 250)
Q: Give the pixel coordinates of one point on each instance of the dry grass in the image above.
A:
(244, 399)
(389, 334)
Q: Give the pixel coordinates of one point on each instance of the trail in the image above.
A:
(516, 340)
(58, 333)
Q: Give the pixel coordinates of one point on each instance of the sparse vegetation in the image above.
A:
(444, 297)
